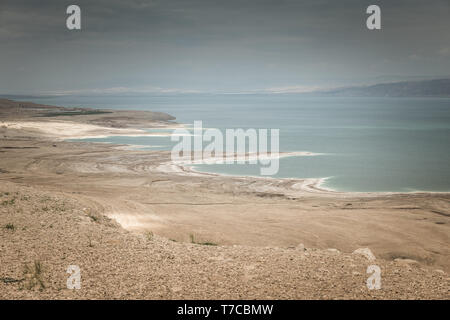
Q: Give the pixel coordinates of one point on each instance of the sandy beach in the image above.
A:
(140, 226)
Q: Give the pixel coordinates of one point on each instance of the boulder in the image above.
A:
(366, 252)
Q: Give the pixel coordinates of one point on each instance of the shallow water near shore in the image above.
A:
(369, 144)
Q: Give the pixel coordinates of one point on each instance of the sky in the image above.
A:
(213, 46)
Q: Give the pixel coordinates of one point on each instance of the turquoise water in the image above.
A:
(371, 144)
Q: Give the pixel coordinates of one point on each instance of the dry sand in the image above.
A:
(58, 199)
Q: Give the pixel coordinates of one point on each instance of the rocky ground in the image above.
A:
(42, 233)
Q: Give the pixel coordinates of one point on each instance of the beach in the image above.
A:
(141, 226)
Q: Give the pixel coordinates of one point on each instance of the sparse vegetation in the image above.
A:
(61, 207)
(45, 199)
(206, 243)
(10, 280)
(10, 226)
(33, 276)
(93, 217)
(149, 235)
(65, 113)
(9, 202)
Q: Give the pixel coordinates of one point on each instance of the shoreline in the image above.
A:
(313, 183)
(74, 135)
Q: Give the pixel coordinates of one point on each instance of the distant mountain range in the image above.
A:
(424, 88)
(416, 88)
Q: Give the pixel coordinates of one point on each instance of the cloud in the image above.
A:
(414, 57)
(445, 52)
(216, 45)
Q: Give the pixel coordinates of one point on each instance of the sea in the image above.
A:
(366, 144)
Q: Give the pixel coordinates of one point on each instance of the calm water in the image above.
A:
(371, 144)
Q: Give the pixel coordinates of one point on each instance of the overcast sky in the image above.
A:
(218, 46)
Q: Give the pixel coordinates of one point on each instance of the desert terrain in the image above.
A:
(140, 226)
